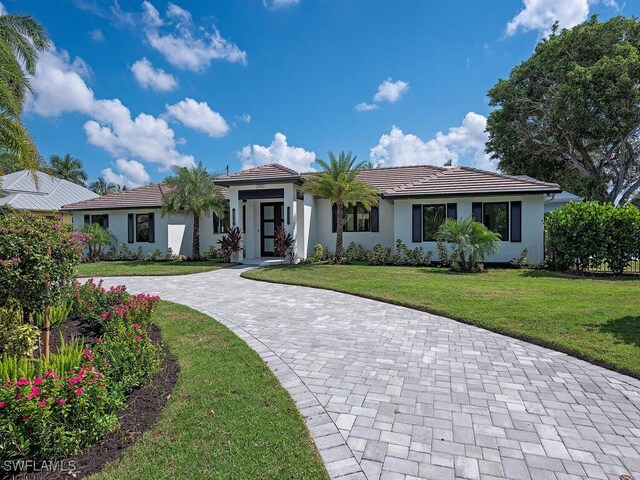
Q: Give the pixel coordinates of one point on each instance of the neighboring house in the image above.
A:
(557, 200)
(414, 201)
(20, 190)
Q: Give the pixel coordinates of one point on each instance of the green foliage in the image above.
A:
(158, 256)
(283, 243)
(410, 256)
(471, 243)
(586, 235)
(570, 113)
(231, 243)
(91, 300)
(68, 168)
(521, 260)
(355, 253)
(16, 336)
(337, 182)
(193, 191)
(380, 255)
(102, 187)
(321, 254)
(38, 258)
(443, 253)
(212, 254)
(58, 314)
(96, 238)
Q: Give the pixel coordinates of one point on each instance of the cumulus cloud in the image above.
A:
(466, 141)
(279, 152)
(153, 78)
(129, 172)
(388, 91)
(96, 35)
(184, 45)
(199, 116)
(276, 4)
(61, 88)
(540, 15)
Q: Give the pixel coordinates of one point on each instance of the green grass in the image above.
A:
(123, 268)
(227, 418)
(597, 319)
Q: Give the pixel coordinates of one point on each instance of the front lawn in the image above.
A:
(125, 268)
(597, 319)
(228, 417)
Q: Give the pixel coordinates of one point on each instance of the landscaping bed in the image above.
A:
(593, 318)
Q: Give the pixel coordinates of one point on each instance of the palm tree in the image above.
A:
(68, 168)
(472, 242)
(194, 192)
(21, 40)
(337, 183)
(102, 187)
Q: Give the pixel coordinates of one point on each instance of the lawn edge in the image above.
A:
(502, 331)
(228, 265)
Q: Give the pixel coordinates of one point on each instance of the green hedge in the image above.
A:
(587, 235)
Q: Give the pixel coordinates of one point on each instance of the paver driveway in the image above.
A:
(393, 393)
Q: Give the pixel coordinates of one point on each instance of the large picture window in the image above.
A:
(358, 219)
(496, 218)
(102, 220)
(142, 227)
(432, 217)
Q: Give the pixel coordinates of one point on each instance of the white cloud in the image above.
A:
(185, 46)
(245, 118)
(107, 9)
(466, 141)
(3, 10)
(131, 173)
(276, 4)
(199, 116)
(365, 107)
(153, 78)
(62, 88)
(388, 91)
(540, 15)
(96, 35)
(279, 152)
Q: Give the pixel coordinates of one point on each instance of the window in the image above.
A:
(495, 217)
(102, 220)
(142, 227)
(357, 219)
(220, 224)
(432, 217)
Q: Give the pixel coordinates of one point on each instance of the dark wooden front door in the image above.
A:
(271, 215)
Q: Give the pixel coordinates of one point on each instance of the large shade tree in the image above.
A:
(193, 191)
(68, 168)
(571, 112)
(21, 40)
(337, 182)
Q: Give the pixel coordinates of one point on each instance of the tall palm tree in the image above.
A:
(68, 168)
(102, 187)
(21, 40)
(337, 183)
(194, 192)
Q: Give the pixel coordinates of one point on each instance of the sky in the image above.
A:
(134, 88)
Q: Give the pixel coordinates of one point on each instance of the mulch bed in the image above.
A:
(143, 408)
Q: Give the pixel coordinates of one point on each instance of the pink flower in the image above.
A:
(138, 338)
(51, 374)
(37, 381)
(100, 340)
(62, 401)
(22, 382)
(136, 326)
(3, 404)
(35, 391)
(87, 353)
(79, 392)
(42, 403)
(57, 226)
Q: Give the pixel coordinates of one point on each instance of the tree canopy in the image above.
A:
(68, 168)
(571, 112)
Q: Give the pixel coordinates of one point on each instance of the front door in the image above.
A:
(271, 215)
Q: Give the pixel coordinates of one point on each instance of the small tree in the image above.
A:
(96, 238)
(471, 243)
(283, 243)
(231, 243)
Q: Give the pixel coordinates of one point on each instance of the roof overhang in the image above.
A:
(230, 182)
(491, 193)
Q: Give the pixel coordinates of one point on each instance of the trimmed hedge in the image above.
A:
(587, 235)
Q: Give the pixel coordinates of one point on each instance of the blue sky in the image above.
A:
(133, 88)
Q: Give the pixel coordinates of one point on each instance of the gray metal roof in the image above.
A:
(19, 191)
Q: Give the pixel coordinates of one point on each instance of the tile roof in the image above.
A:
(19, 190)
(271, 171)
(147, 196)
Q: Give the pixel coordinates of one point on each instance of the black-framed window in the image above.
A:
(495, 216)
(142, 227)
(432, 217)
(220, 224)
(357, 218)
(102, 220)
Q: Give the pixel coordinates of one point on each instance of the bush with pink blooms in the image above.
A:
(92, 300)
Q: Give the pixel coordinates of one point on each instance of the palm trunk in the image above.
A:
(195, 250)
(339, 230)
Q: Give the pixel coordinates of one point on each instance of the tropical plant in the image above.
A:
(21, 40)
(471, 243)
(68, 168)
(283, 243)
(193, 191)
(102, 187)
(17, 337)
(96, 239)
(571, 112)
(337, 182)
(230, 243)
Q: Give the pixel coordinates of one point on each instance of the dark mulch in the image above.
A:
(144, 406)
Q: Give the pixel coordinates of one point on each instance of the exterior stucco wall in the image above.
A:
(532, 229)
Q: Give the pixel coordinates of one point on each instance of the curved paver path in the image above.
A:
(422, 396)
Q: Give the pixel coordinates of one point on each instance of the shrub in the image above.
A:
(443, 253)
(92, 300)
(16, 337)
(471, 243)
(283, 243)
(212, 254)
(380, 255)
(38, 258)
(321, 253)
(231, 243)
(584, 235)
(97, 238)
(407, 256)
(521, 260)
(355, 253)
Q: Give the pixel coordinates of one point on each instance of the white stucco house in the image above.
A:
(414, 201)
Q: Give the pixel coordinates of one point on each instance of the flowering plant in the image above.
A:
(92, 300)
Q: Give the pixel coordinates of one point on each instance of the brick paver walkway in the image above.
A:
(392, 393)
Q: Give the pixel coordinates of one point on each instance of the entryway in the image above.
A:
(271, 215)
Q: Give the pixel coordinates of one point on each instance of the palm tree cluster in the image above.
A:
(471, 243)
(67, 168)
(21, 40)
(103, 187)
